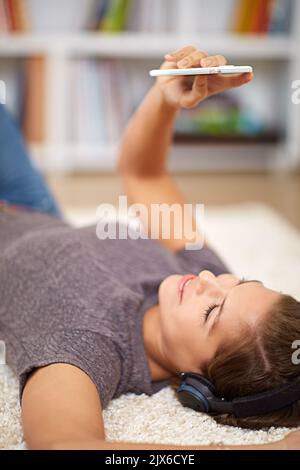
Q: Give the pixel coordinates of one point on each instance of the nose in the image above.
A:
(209, 282)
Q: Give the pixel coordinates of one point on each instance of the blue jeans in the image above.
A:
(20, 182)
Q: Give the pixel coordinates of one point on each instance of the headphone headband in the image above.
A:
(268, 401)
(197, 392)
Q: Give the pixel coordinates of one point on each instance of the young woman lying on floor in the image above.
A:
(86, 320)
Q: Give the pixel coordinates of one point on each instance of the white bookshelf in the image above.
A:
(145, 45)
(278, 53)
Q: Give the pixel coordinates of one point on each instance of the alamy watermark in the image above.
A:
(158, 222)
(2, 92)
(296, 92)
(296, 354)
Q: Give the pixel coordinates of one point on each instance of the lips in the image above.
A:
(182, 284)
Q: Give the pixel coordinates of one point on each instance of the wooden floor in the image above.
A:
(280, 191)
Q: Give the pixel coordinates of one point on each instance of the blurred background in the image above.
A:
(75, 70)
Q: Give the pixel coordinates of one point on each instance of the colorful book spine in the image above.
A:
(281, 16)
(21, 15)
(265, 9)
(116, 17)
(249, 16)
(262, 16)
(34, 99)
(244, 16)
(257, 11)
(8, 15)
(100, 13)
(13, 16)
(4, 26)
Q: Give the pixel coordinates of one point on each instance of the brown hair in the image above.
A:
(261, 361)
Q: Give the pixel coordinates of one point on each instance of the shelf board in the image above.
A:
(145, 45)
(190, 139)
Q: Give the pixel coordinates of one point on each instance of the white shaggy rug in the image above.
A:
(256, 242)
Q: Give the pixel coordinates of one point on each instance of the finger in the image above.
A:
(213, 61)
(180, 54)
(169, 65)
(192, 59)
(220, 83)
(200, 87)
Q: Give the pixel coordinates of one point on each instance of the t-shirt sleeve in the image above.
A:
(194, 261)
(91, 352)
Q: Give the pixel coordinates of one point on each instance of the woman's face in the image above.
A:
(199, 313)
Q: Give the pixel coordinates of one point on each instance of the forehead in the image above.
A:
(248, 303)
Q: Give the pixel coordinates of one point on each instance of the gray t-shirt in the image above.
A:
(68, 297)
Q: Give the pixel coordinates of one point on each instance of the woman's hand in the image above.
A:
(189, 91)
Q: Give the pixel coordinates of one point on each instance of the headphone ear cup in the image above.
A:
(204, 381)
(196, 392)
(200, 382)
(190, 397)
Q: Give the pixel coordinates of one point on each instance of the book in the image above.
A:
(13, 15)
(115, 18)
(98, 14)
(243, 14)
(4, 27)
(258, 7)
(281, 17)
(8, 16)
(21, 15)
(261, 16)
(34, 100)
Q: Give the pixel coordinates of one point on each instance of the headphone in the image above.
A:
(199, 393)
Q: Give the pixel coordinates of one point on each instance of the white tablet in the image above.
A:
(224, 69)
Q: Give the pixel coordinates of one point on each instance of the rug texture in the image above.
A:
(256, 243)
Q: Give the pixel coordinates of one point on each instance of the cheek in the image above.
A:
(168, 293)
(172, 316)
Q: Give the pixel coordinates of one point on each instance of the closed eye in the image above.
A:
(208, 311)
(210, 308)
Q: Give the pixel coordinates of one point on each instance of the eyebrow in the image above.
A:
(221, 309)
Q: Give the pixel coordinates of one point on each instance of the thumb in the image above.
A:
(239, 80)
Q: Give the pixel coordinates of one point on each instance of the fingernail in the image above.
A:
(207, 62)
(183, 63)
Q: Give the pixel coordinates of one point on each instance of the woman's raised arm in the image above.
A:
(147, 139)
